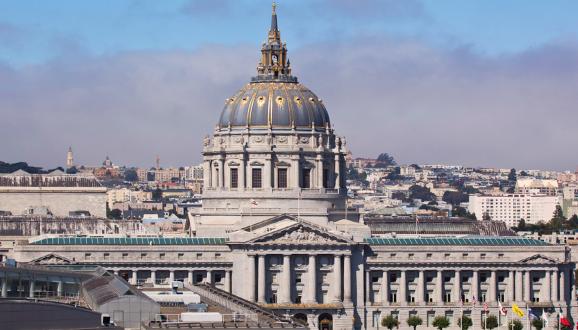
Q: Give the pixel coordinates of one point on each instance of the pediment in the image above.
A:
(301, 234)
(538, 259)
(52, 259)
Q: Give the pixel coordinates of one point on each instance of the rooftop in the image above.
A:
(468, 240)
(131, 241)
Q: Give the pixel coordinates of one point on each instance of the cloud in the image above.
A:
(10, 36)
(420, 103)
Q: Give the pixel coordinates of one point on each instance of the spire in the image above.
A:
(274, 19)
(274, 64)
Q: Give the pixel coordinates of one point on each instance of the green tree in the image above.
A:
(573, 222)
(490, 322)
(385, 160)
(465, 322)
(130, 175)
(512, 176)
(389, 322)
(414, 321)
(521, 225)
(441, 322)
(538, 324)
(515, 325)
(558, 220)
(455, 197)
(116, 214)
(422, 193)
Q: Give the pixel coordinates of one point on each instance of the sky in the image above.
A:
(485, 83)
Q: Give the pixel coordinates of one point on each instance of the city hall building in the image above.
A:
(274, 230)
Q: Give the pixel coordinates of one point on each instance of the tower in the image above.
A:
(273, 152)
(158, 163)
(69, 159)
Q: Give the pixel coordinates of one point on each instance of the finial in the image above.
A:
(274, 6)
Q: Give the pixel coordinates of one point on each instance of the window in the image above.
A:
(125, 255)
(306, 178)
(161, 255)
(87, 255)
(428, 256)
(448, 297)
(325, 178)
(447, 256)
(180, 256)
(217, 255)
(143, 255)
(199, 255)
(256, 181)
(234, 178)
(298, 299)
(393, 296)
(218, 278)
(482, 256)
(273, 298)
(106, 255)
(410, 256)
(282, 178)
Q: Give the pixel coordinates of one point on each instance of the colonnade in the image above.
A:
(517, 285)
(340, 281)
(153, 278)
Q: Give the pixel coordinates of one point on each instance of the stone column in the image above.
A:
(492, 289)
(555, 285)
(511, 288)
(312, 285)
(261, 280)
(31, 289)
(251, 278)
(171, 276)
(59, 288)
(519, 285)
(385, 287)
(420, 288)
(367, 287)
(190, 277)
(221, 172)
(563, 286)
(337, 171)
(242, 170)
(527, 285)
(209, 278)
(153, 277)
(285, 287)
(347, 279)
(403, 287)
(548, 286)
(457, 286)
(319, 166)
(440, 287)
(337, 278)
(228, 281)
(267, 173)
(475, 291)
(4, 293)
(295, 178)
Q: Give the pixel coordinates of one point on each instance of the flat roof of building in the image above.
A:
(482, 241)
(131, 241)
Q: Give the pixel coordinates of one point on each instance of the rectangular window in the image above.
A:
(306, 178)
(325, 178)
(282, 178)
(234, 178)
(256, 181)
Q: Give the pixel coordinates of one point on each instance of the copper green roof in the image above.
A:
(474, 240)
(131, 241)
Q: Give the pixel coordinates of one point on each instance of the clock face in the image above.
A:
(274, 59)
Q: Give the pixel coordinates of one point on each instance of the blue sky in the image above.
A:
(478, 83)
(48, 28)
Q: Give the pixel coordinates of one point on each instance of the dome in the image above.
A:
(274, 104)
(274, 98)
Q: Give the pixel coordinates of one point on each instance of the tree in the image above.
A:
(573, 222)
(414, 321)
(491, 322)
(71, 170)
(458, 211)
(515, 325)
(465, 322)
(455, 197)
(558, 220)
(130, 175)
(441, 322)
(538, 324)
(512, 175)
(157, 194)
(116, 214)
(385, 160)
(389, 322)
(522, 225)
(422, 193)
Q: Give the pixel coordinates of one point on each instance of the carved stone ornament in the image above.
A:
(304, 139)
(258, 139)
(282, 139)
(206, 141)
(302, 236)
